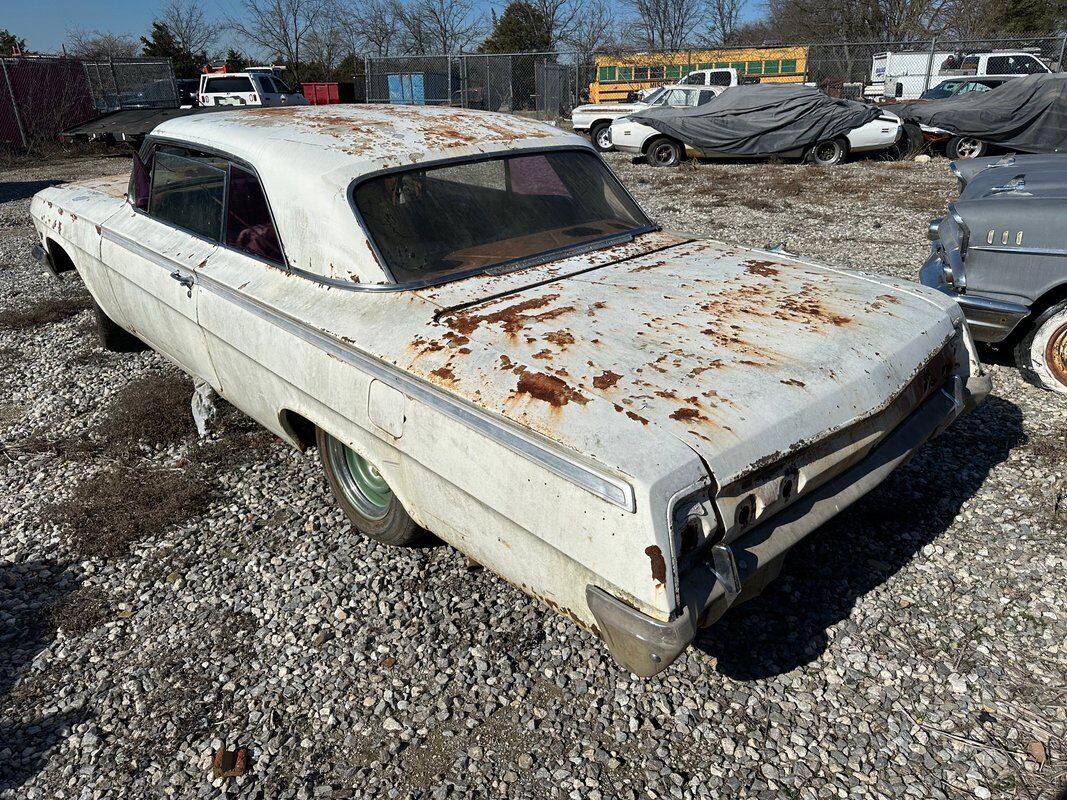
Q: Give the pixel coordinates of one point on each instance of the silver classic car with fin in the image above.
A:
(487, 339)
(1001, 252)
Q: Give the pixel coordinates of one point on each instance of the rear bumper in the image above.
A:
(646, 646)
(989, 320)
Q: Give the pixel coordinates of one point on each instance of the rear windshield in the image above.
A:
(233, 84)
(437, 221)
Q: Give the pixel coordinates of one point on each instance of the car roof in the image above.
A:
(308, 156)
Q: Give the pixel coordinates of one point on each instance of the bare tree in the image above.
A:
(373, 27)
(725, 19)
(438, 26)
(94, 44)
(665, 24)
(187, 23)
(326, 44)
(592, 30)
(280, 27)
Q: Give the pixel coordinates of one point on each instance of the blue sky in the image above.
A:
(44, 23)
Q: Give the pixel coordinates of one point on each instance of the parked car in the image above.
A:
(957, 86)
(253, 88)
(487, 338)
(1001, 252)
(905, 76)
(596, 118)
(631, 137)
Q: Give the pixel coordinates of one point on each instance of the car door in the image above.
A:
(156, 248)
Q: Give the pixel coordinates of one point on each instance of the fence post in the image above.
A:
(1063, 47)
(115, 82)
(14, 105)
(930, 64)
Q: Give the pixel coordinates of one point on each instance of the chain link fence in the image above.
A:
(42, 96)
(536, 84)
(549, 85)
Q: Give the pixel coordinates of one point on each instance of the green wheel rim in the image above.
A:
(361, 482)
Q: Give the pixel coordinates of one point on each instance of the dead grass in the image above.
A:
(153, 409)
(44, 312)
(80, 611)
(111, 511)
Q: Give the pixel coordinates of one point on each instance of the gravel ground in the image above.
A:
(160, 597)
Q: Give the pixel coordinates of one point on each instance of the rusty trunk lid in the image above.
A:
(744, 355)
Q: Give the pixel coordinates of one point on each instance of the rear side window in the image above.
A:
(233, 84)
(249, 226)
(188, 193)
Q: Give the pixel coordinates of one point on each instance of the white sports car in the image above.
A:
(662, 150)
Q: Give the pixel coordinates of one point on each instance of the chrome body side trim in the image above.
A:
(598, 482)
(989, 320)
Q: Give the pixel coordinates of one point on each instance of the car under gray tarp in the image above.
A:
(760, 120)
(1024, 114)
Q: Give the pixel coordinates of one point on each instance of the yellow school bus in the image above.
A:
(618, 75)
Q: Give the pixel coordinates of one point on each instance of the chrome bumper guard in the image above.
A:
(738, 571)
(989, 320)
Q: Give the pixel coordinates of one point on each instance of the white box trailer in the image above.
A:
(904, 75)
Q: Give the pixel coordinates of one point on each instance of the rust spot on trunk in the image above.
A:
(659, 565)
(794, 382)
(560, 338)
(606, 379)
(549, 389)
(686, 414)
(512, 319)
(444, 373)
(765, 269)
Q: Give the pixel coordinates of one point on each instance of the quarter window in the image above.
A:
(249, 226)
(188, 193)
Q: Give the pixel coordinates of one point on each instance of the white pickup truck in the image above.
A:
(487, 338)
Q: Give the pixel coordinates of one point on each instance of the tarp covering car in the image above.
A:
(760, 120)
(1025, 114)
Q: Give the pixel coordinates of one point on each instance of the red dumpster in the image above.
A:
(321, 94)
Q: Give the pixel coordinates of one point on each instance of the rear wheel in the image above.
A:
(828, 153)
(600, 133)
(962, 147)
(113, 337)
(664, 153)
(1042, 353)
(365, 496)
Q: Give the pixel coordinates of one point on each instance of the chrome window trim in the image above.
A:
(550, 255)
(598, 482)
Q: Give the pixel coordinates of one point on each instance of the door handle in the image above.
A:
(184, 280)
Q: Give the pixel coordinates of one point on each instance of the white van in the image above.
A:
(247, 89)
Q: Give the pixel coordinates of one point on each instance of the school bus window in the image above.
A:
(771, 67)
(705, 66)
(655, 73)
(789, 65)
(626, 73)
(674, 71)
(754, 68)
(640, 73)
(607, 73)
(739, 66)
(722, 64)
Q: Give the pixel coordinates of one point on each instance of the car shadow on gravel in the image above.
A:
(36, 598)
(860, 549)
(21, 190)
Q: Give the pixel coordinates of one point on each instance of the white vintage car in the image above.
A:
(488, 339)
(660, 150)
(594, 119)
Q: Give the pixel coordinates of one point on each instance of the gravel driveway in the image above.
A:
(162, 597)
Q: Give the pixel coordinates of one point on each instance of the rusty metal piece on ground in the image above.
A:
(229, 763)
(472, 565)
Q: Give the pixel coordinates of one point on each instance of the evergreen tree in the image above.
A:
(522, 28)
